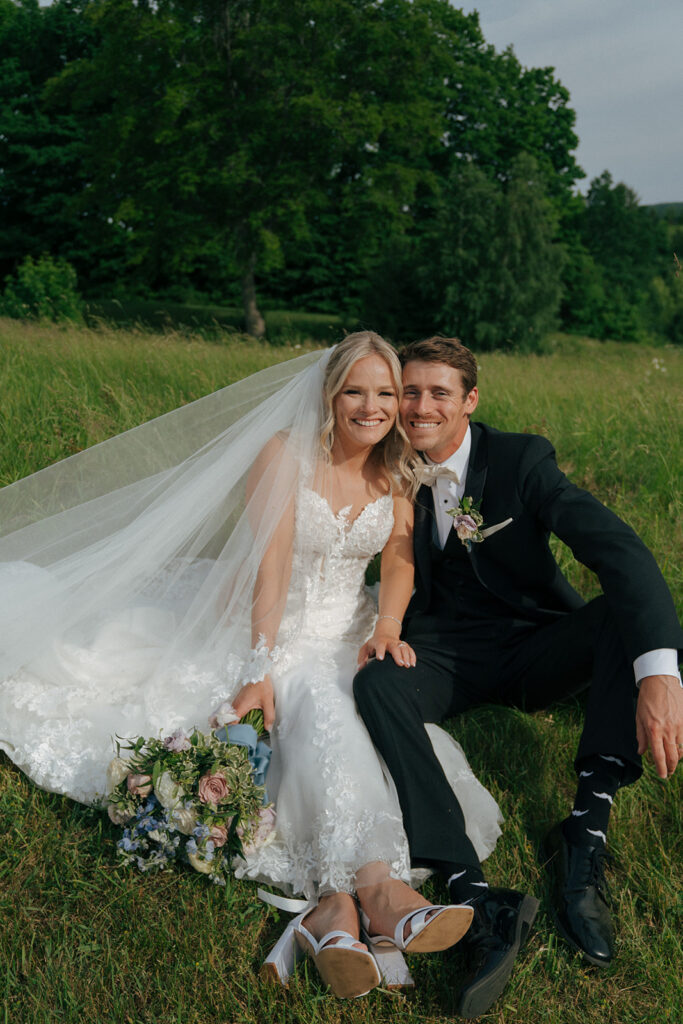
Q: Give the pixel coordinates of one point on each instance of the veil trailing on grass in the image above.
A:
(129, 571)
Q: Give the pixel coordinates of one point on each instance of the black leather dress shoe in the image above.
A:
(581, 911)
(502, 918)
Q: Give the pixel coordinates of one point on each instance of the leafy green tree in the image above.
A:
(211, 145)
(234, 124)
(489, 111)
(42, 144)
(625, 238)
(616, 247)
(297, 143)
(500, 266)
(664, 309)
(498, 109)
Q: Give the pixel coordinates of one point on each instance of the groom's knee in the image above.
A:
(374, 685)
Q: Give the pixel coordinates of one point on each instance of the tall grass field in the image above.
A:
(83, 939)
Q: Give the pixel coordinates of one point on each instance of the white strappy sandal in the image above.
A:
(348, 971)
(430, 929)
(281, 962)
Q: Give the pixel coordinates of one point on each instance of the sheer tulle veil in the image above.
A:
(127, 572)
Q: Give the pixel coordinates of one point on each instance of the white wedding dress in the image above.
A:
(337, 809)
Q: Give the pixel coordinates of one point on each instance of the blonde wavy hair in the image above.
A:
(394, 452)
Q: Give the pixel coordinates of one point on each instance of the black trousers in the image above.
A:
(463, 664)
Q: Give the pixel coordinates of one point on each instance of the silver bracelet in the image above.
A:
(392, 617)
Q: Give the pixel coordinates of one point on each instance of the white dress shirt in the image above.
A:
(447, 494)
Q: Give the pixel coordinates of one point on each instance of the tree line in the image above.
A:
(375, 157)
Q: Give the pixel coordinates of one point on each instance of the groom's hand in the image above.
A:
(659, 721)
(257, 695)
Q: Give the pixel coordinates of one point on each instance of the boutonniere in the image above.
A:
(467, 522)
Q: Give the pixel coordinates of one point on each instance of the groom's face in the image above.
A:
(435, 409)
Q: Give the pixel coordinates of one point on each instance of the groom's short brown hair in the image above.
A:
(450, 351)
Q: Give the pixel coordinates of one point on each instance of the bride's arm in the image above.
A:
(395, 589)
(269, 493)
(274, 571)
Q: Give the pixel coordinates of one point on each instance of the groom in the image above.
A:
(493, 619)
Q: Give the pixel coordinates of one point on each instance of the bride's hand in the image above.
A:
(377, 646)
(257, 695)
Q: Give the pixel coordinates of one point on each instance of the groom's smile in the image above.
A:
(435, 409)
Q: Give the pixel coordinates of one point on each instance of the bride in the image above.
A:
(221, 550)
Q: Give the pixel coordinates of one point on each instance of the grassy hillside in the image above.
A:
(83, 940)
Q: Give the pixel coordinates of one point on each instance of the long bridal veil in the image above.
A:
(127, 573)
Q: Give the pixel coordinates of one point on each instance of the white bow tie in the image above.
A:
(429, 474)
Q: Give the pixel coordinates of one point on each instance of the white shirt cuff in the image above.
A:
(662, 662)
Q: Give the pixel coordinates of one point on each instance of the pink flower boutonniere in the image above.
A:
(467, 522)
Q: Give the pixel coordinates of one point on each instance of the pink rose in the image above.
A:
(212, 788)
(464, 526)
(218, 835)
(139, 785)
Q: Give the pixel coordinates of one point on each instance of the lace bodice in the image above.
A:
(327, 595)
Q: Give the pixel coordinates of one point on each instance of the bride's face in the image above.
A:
(365, 409)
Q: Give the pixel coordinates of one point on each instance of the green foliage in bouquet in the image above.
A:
(254, 718)
(188, 797)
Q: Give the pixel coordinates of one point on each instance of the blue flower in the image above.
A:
(147, 824)
(191, 846)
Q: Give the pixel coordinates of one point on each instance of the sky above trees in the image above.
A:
(621, 61)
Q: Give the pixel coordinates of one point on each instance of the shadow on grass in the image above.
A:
(525, 759)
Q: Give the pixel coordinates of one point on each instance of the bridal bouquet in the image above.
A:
(190, 797)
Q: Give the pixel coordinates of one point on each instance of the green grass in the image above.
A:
(66, 388)
(82, 939)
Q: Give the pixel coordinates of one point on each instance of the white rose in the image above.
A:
(118, 816)
(224, 714)
(168, 792)
(184, 820)
(117, 770)
(199, 864)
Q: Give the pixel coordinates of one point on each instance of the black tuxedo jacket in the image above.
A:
(516, 476)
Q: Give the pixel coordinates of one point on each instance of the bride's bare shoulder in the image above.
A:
(277, 446)
(279, 453)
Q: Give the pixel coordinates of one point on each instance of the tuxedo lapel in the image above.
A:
(475, 481)
(478, 465)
